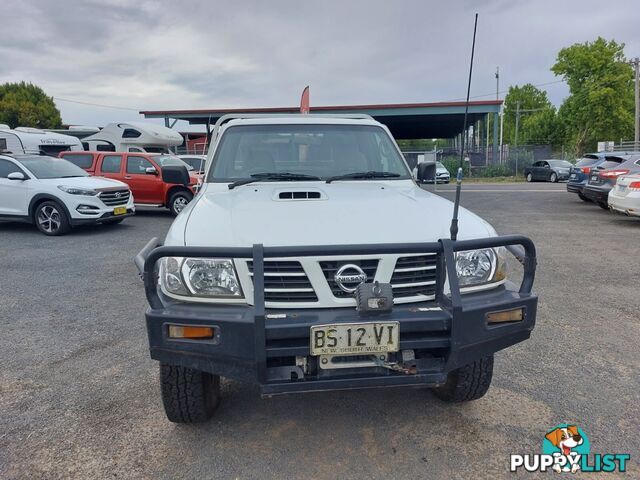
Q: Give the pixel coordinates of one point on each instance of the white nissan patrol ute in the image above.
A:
(311, 260)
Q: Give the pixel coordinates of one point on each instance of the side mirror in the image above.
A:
(16, 176)
(177, 174)
(547, 166)
(151, 171)
(426, 172)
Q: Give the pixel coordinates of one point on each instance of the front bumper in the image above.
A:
(271, 348)
(88, 219)
(96, 212)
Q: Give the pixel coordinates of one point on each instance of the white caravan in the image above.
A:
(133, 137)
(34, 140)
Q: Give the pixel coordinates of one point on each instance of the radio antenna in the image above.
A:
(456, 205)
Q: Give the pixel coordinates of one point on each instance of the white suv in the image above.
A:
(56, 195)
(310, 261)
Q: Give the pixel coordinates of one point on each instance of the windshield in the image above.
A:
(319, 151)
(51, 167)
(560, 163)
(440, 165)
(165, 160)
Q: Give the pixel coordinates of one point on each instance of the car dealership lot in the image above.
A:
(79, 394)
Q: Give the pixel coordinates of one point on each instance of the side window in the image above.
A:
(135, 149)
(130, 133)
(111, 163)
(105, 148)
(3, 144)
(7, 167)
(137, 164)
(82, 160)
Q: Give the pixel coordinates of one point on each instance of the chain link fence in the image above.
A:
(479, 163)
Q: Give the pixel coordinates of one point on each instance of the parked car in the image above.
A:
(303, 276)
(604, 177)
(442, 174)
(580, 173)
(197, 162)
(625, 196)
(143, 173)
(55, 195)
(548, 171)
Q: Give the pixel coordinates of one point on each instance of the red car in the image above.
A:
(142, 172)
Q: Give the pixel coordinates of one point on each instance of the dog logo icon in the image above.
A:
(567, 443)
(566, 448)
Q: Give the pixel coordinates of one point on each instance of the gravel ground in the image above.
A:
(79, 396)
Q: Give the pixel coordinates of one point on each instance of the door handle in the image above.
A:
(128, 177)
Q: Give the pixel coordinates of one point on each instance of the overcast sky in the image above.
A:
(142, 54)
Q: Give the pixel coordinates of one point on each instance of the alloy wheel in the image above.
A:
(179, 203)
(49, 219)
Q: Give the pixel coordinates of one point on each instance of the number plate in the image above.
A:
(622, 188)
(573, 175)
(120, 210)
(355, 338)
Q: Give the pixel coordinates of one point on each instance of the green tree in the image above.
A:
(600, 104)
(26, 105)
(535, 127)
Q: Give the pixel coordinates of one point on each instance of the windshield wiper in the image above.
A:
(370, 174)
(72, 176)
(275, 176)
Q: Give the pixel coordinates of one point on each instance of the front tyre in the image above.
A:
(178, 201)
(553, 178)
(466, 383)
(188, 395)
(51, 219)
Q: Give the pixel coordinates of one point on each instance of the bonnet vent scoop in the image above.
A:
(301, 194)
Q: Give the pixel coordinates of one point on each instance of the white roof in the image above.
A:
(302, 120)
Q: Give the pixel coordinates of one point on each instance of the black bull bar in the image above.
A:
(465, 342)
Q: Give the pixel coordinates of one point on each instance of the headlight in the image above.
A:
(78, 191)
(200, 277)
(477, 267)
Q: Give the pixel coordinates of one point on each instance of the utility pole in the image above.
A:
(501, 114)
(515, 143)
(636, 138)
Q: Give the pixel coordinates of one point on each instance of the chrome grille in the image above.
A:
(329, 268)
(285, 281)
(415, 275)
(113, 198)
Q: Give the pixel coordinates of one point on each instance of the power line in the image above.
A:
(116, 107)
(504, 91)
(97, 104)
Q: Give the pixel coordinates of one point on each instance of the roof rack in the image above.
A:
(237, 116)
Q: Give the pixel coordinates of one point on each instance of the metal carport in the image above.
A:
(405, 120)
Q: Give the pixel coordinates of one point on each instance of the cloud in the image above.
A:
(206, 54)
